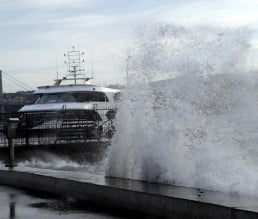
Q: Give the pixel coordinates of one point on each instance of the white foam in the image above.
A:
(47, 160)
(199, 129)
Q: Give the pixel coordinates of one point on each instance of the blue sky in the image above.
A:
(36, 33)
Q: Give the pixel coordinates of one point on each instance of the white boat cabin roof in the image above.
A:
(73, 88)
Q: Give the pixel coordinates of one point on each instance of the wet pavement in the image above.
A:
(19, 204)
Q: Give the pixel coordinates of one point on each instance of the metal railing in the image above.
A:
(65, 126)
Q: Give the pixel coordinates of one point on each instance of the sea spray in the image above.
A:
(49, 160)
(190, 114)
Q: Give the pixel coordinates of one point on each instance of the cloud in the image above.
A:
(231, 13)
(33, 31)
(54, 2)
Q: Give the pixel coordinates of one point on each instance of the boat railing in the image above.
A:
(65, 126)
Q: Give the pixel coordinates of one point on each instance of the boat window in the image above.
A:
(69, 98)
(52, 99)
(42, 99)
(72, 97)
(38, 99)
(90, 97)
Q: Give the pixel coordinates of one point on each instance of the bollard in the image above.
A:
(11, 134)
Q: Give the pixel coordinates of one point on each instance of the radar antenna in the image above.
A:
(74, 60)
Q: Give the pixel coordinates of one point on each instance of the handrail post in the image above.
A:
(27, 130)
(11, 134)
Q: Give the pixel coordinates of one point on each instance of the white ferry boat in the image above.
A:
(78, 99)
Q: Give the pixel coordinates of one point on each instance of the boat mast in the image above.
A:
(73, 62)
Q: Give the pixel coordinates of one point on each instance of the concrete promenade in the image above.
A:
(140, 197)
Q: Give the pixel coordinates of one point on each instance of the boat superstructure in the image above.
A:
(73, 97)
